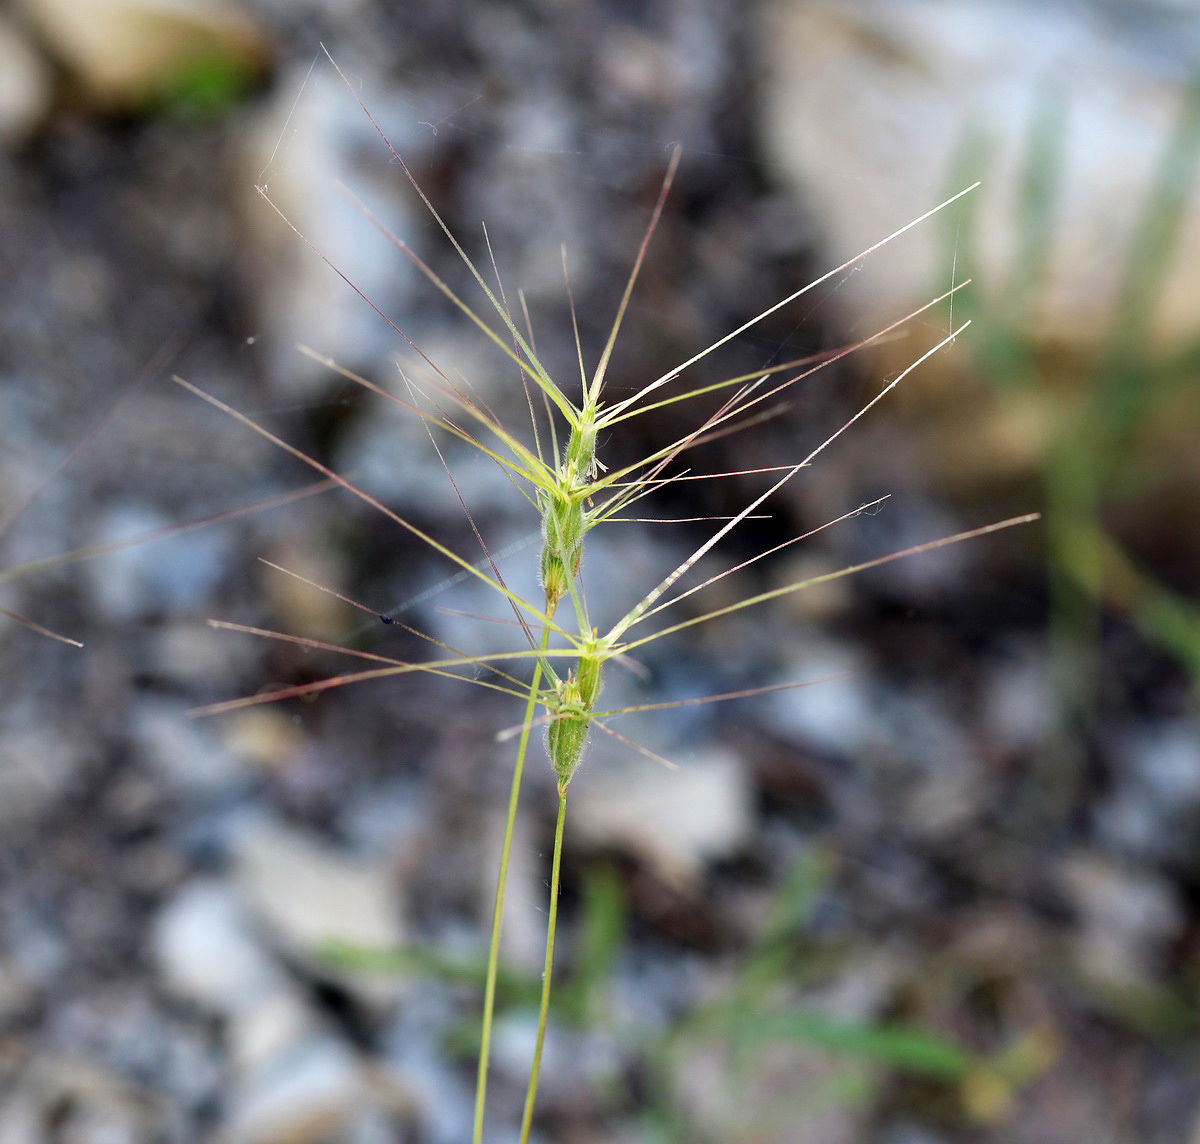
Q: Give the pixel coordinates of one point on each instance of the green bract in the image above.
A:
(571, 706)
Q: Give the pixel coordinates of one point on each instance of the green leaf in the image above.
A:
(900, 1046)
(205, 86)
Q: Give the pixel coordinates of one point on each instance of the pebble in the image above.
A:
(37, 765)
(867, 105)
(125, 52)
(311, 143)
(22, 1121)
(188, 651)
(170, 575)
(64, 1097)
(1127, 916)
(834, 712)
(293, 1081)
(185, 753)
(772, 1103)
(414, 1049)
(25, 87)
(206, 952)
(307, 1095)
(263, 736)
(309, 894)
(675, 821)
(1018, 709)
(267, 1031)
(926, 768)
(18, 989)
(1153, 810)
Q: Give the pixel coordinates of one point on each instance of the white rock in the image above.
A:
(390, 451)
(773, 1102)
(412, 1059)
(37, 763)
(621, 564)
(267, 1029)
(141, 579)
(676, 821)
(1019, 701)
(305, 1096)
(309, 894)
(24, 85)
(186, 753)
(123, 51)
(87, 1124)
(293, 1080)
(926, 766)
(868, 105)
(572, 1061)
(17, 989)
(312, 144)
(1127, 917)
(835, 713)
(1153, 809)
(1168, 761)
(22, 1120)
(206, 952)
(85, 1101)
(189, 651)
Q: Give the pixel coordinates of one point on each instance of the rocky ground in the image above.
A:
(945, 896)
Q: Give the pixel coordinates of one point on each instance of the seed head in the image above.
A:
(555, 581)
(574, 699)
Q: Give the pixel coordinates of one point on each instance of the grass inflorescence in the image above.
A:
(555, 466)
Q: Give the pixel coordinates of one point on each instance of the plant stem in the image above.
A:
(544, 1007)
(493, 964)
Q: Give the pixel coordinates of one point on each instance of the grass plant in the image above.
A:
(554, 465)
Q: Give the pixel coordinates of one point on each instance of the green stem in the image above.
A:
(493, 964)
(544, 1007)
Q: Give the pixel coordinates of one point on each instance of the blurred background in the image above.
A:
(951, 896)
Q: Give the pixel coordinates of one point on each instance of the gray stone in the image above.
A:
(25, 88)
(304, 1096)
(867, 108)
(186, 753)
(125, 51)
(835, 713)
(309, 895)
(1127, 916)
(206, 951)
(311, 146)
(674, 820)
